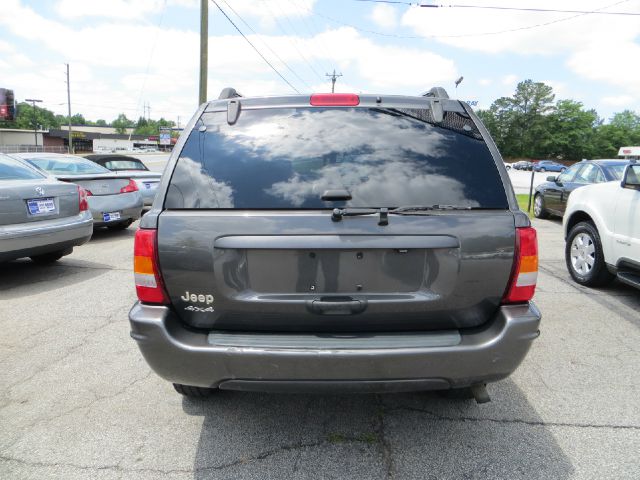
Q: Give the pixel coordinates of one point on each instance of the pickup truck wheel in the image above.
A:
(584, 256)
(538, 207)
(193, 392)
(46, 258)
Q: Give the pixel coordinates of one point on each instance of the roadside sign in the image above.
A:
(165, 136)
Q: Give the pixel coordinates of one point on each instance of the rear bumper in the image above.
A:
(128, 204)
(370, 362)
(37, 238)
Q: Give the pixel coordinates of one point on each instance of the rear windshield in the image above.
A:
(286, 158)
(67, 165)
(11, 169)
(616, 171)
(124, 165)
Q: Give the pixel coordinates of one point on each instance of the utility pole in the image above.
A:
(204, 49)
(35, 118)
(334, 77)
(70, 146)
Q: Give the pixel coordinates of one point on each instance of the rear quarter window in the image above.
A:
(286, 158)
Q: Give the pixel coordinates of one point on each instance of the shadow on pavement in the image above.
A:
(104, 234)
(418, 435)
(39, 278)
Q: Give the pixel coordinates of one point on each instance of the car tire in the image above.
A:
(120, 225)
(47, 258)
(538, 207)
(563, 169)
(542, 169)
(193, 392)
(584, 257)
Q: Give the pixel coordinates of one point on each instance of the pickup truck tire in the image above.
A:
(193, 392)
(538, 207)
(588, 266)
(47, 258)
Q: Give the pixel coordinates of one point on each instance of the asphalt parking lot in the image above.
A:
(78, 400)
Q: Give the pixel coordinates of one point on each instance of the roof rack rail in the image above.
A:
(227, 93)
(438, 92)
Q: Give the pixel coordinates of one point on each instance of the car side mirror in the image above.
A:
(552, 178)
(631, 177)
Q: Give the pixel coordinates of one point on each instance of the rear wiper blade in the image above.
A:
(426, 208)
(338, 213)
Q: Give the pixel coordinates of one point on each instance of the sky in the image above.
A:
(127, 53)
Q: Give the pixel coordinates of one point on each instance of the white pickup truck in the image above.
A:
(602, 231)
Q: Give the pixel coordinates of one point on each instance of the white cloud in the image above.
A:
(485, 82)
(510, 80)
(473, 29)
(121, 9)
(384, 16)
(618, 100)
(616, 65)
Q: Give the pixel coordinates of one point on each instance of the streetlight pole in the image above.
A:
(35, 119)
(204, 50)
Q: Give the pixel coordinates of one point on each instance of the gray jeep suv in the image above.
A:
(335, 242)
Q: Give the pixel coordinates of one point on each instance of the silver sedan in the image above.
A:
(115, 201)
(40, 217)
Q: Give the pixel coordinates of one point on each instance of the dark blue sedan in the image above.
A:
(551, 196)
(548, 166)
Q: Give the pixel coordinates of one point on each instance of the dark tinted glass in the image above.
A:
(287, 158)
(11, 169)
(124, 165)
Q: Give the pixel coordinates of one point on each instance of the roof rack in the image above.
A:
(438, 92)
(227, 93)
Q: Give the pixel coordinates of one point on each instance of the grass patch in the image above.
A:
(523, 200)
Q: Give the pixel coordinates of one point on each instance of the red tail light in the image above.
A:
(149, 286)
(522, 284)
(130, 187)
(83, 204)
(335, 99)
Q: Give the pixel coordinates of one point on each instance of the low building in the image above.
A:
(13, 140)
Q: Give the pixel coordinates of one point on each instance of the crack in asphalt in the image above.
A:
(223, 466)
(516, 421)
(387, 453)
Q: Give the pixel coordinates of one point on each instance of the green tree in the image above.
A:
(623, 129)
(101, 123)
(122, 123)
(520, 122)
(26, 118)
(571, 131)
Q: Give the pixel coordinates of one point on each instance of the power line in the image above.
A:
(254, 47)
(267, 45)
(493, 7)
(293, 43)
(463, 35)
(520, 9)
(313, 28)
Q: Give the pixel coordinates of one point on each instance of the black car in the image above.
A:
(523, 165)
(551, 197)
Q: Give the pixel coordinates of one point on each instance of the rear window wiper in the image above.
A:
(409, 209)
(338, 213)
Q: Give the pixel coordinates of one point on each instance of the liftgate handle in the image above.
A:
(337, 307)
